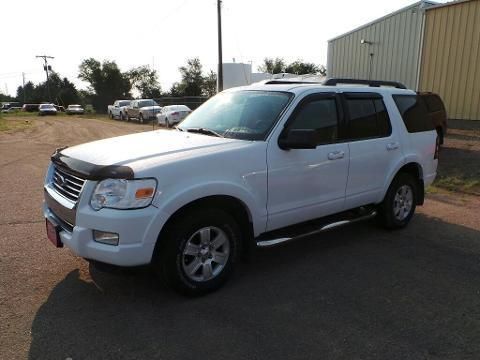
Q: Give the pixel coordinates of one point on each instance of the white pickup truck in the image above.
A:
(253, 166)
(118, 110)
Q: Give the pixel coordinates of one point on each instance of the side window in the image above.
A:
(434, 103)
(320, 115)
(368, 118)
(414, 113)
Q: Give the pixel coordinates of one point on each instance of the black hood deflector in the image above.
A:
(89, 171)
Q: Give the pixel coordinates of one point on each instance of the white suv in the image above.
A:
(253, 166)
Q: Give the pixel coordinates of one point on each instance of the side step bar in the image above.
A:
(272, 242)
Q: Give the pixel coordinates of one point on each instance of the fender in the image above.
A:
(409, 158)
(181, 196)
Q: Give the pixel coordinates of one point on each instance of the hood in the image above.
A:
(152, 145)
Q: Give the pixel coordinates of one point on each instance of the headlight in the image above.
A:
(123, 194)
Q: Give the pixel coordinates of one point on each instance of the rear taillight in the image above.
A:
(437, 148)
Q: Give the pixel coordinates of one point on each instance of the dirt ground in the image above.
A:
(358, 292)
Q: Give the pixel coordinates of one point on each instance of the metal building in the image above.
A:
(427, 46)
(450, 60)
(385, 49)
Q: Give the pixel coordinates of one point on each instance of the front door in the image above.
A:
(305, 184)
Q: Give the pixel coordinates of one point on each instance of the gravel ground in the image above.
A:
(354, 293)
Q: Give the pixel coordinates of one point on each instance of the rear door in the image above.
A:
(305, 184)
(374, 148)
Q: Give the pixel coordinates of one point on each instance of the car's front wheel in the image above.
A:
(399, 204)
(140, 118)
(167, 124)
(199, 252)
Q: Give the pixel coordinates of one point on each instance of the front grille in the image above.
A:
(67, 185)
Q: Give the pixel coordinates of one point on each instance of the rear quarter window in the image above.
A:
(414, 113)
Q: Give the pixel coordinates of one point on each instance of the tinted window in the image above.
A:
(319, 115)
(414, 113)
(368, 118)
(433, 102)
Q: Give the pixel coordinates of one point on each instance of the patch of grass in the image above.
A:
(467, 184)
(13, 124)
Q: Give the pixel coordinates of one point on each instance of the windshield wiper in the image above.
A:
(204, 131)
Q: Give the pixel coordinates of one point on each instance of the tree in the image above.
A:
(107, 82)
(5, 98)
(210, 84)
(300, 68)
(272, 66)
(145, 81)
(192, 78)
(278, 65)
(62, 91)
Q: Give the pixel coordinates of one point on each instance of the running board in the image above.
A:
(333, 225)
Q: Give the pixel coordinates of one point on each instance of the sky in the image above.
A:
(165, 33)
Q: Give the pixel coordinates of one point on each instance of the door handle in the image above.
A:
(393, 145)
(335, 155)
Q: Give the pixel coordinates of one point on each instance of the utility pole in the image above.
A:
(23, 82)
(46, 67)
(220, 61)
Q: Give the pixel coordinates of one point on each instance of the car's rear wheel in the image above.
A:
(399, 204)
(199, 251)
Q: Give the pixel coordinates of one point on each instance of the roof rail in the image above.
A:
(372, 83)
(287, 82)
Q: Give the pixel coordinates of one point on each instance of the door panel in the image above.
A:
(304, 184)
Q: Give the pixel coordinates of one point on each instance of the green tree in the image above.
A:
(210, 84)
(106, 82)
(272, 66)
(5, 98)
(62, 91)
(300, 68)
(145, 81)
(192, 78)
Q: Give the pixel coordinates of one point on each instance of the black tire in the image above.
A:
(388, 214)
(140, 118)
(110, 115)
(170, 261)
(167, 124)
(122, 117)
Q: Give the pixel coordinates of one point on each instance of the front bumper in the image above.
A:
(138, 231)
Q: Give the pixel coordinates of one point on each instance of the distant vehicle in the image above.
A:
(8, 105)
(172, 114)
(143, 109)
(30, 107)
(12, 109)
(118, 109)
(75, 110)
(47, 109)
(436, 113)
(59, 107)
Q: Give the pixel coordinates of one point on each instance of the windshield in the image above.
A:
(74, 106)
(124, 103)
(145, 103)
(247, 115)
(47, 106)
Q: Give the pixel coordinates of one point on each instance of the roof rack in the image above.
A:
(287, 82)
(372, 83)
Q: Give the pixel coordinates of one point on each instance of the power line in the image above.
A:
(46, 67)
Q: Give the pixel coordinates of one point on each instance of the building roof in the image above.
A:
(450, 3)
(414, 5)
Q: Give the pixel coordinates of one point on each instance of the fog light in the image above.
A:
(105, 237)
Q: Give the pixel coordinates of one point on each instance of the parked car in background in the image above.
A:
(436, 113)
(75, 110)
(59, 107)
(8, 105)
(30, 107)
(118, 109)
(12, 109)
(172, 114)
(143, 109)
(47, 109)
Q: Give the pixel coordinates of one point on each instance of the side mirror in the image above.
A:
(116, 106)
(298, 139)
